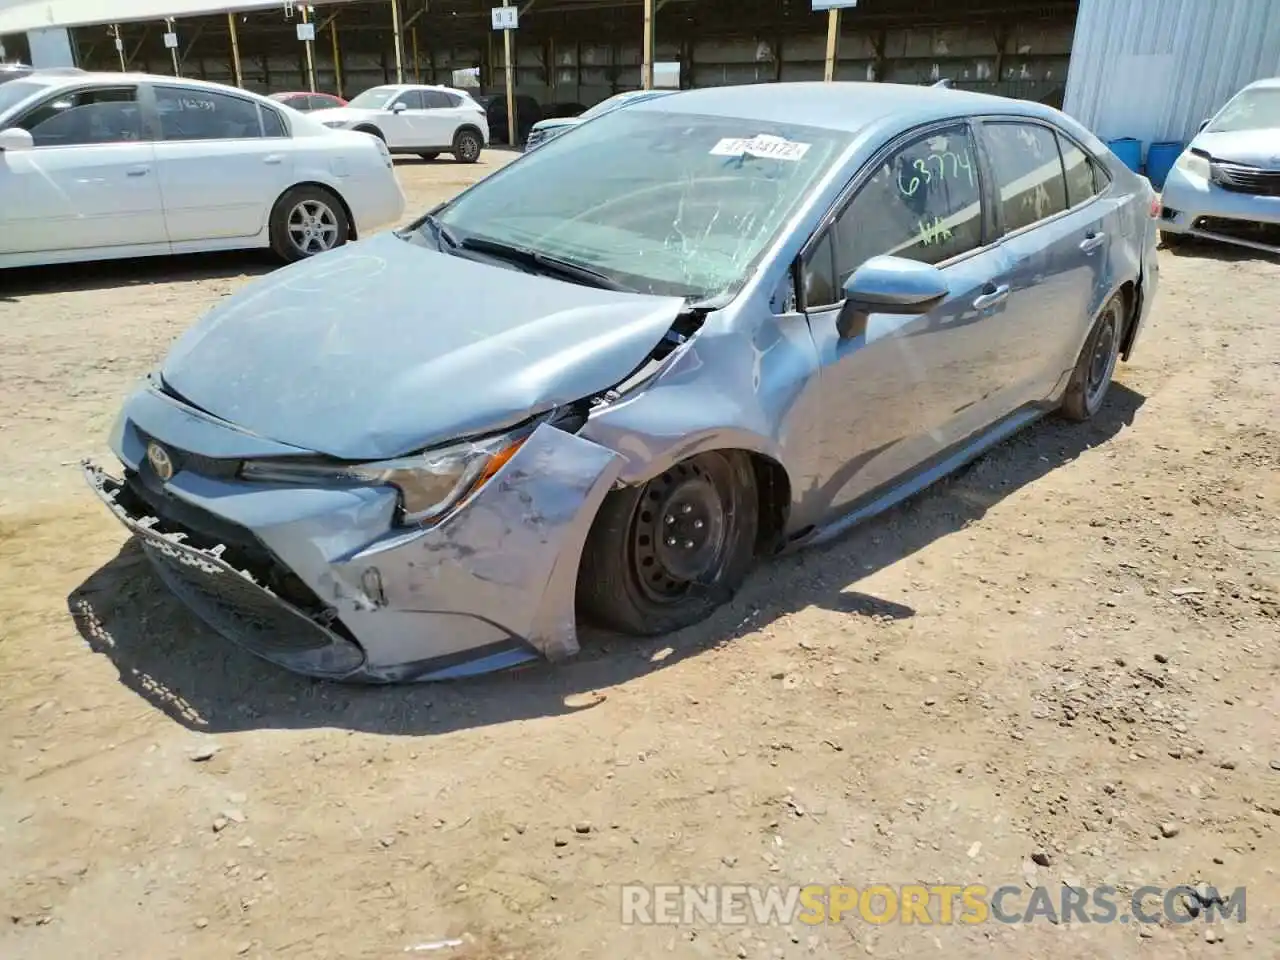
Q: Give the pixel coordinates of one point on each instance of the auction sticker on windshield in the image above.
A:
(761, 145)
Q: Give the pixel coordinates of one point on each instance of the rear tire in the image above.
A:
(467, 146)
(664, 555)
(1097, 362)
(307, 220)
(429, 156)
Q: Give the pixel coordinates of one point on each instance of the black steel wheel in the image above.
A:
(1096, 364)
(666, 554)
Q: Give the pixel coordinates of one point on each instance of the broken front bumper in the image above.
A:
(490, 586)
(1201, 208)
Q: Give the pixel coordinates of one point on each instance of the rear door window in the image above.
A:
(191, 113)
(435, 100)
(1030, 185)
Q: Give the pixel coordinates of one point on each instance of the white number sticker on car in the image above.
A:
(761, 145)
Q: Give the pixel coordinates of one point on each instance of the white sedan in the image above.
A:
(416, 118)
(104, 166)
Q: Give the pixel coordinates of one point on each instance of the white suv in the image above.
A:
(412, 118)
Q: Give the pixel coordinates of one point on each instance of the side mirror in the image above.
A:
(15, 138)
(399, 107)
(1203, 124)
(889, 285)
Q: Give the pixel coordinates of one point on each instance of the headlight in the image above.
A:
(1193, 165)
(430, 483)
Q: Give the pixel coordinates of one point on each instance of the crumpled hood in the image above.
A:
(1253, 148)
(383, 347)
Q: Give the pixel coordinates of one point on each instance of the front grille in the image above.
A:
(1241, 179)
(233, 600)
(196, 462)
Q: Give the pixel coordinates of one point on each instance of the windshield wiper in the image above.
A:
(545, 262)
(439, 231)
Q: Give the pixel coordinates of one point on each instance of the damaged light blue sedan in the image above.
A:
(609, 377)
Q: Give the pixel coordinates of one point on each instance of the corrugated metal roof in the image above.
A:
(19, 16)
(1154, 69)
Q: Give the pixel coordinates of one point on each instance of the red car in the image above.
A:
(306, 101)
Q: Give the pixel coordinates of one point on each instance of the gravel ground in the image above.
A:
(1058, 667)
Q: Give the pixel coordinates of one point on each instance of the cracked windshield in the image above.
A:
(660, 202)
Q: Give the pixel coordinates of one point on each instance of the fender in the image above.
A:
(723, 390)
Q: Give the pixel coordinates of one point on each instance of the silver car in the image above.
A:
(545, 130)
(1226, 184)
(612, 376)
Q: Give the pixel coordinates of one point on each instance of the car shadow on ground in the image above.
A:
(166, 655)
(140, 271)
(1194, 248)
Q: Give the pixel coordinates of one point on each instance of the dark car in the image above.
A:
(561, 111)
(495, 107)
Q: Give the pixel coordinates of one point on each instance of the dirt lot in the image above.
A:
(1069, 652)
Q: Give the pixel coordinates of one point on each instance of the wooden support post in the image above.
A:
(417, 66)
(507, 44)
(235, 50)
(311, 59)
(337, 54)
(399, 40)
(646, 70)
(833, 43)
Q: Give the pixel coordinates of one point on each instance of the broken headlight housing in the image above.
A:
(431, 483)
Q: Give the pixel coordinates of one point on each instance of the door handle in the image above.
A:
(273, 158)
(991, 296)
(1092, 241)
(137, 171)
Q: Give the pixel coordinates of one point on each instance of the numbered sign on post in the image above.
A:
(833, 4)
(171, 41)
(306, 31)
(505, 18)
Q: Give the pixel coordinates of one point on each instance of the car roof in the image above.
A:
(844, 105)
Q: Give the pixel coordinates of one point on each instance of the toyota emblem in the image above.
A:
(160, 462)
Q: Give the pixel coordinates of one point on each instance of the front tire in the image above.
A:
(467, 146)
(429, 156)
(664, 555)
(307, 220)
(1096, 364)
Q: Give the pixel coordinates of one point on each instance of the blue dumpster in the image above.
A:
(1129, 151)
(1160, 160)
